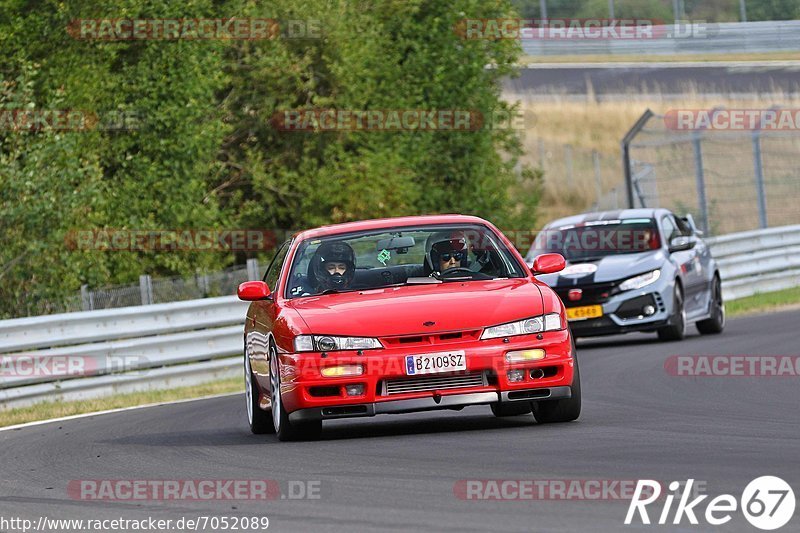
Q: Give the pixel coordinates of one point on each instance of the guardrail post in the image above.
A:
(146, 289)
(252, 270)
(700, 182)
(86, 298)
(759, 173)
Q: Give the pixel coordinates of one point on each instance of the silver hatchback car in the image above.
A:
(633, 270)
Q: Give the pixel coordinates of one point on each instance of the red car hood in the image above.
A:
(402, 310)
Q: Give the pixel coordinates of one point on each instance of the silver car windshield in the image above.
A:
(594, 240)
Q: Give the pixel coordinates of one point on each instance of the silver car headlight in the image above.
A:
(330, 343)
(537, 324)
(643, 280)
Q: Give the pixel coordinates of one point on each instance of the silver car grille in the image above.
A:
(432, 383)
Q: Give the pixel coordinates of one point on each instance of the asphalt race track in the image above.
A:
(399, 472)
(656, 78)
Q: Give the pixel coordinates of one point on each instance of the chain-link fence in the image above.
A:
(152, 291)
(729, 179)
(576, 178)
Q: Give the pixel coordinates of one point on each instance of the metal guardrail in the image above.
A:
(694, 38)
(192, 342)
(99, 353)
(758, 261)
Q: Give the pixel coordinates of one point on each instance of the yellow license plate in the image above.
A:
(582, 313)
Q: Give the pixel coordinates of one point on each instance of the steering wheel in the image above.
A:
(454, 270)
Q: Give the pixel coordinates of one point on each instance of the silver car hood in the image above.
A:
(609, 268)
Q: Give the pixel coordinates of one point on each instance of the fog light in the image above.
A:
(354, 390)
(342, 370)
(524, 355)
(515, 375)
(648, 310)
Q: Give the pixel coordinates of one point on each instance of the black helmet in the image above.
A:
(337, 252)
(446, 242)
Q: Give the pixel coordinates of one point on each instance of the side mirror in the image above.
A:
(681, 243)
(251, 291)
(548, 264)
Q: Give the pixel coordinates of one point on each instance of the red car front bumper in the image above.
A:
(308, 395)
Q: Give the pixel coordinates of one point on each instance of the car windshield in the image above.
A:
(400, 256)
(594, 240)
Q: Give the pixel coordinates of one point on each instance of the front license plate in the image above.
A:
(584, 312)
(433, 363)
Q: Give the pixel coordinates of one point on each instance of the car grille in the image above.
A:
(430, 339)
(594, 293)
(432, 383)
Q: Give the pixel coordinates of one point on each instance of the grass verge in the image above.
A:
(765, 302)
(48, 410)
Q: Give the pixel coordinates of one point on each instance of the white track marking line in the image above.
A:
(117, 410)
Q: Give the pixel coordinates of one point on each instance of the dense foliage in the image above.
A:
(200, 150)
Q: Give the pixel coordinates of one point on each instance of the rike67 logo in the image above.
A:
(767, 502)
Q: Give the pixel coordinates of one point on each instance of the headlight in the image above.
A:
(643, 280)
(536, 324)
(329, 343)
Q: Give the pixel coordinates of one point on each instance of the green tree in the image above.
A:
(404, 55)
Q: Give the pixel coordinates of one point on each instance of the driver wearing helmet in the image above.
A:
(332, 267)
(445, 251)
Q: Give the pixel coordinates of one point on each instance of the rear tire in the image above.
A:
(284, 429)
(511, 409)
(260, 421)
(716, 322)
(566, 410)
(676, 330)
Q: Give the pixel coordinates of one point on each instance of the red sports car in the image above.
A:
(402, 315)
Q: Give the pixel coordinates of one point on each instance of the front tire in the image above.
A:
(676, 330)
(260, 421)
(284, 429)
(716, 322)
(566, 410)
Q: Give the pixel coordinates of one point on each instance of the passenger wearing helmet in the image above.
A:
(332, 267)
(445, 251)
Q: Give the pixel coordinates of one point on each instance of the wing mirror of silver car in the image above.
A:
(682, 243)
